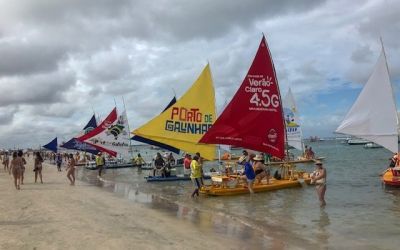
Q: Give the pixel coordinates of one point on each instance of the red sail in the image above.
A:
(111, 118)
(253, 119)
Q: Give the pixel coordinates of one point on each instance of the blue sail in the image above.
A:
(52, 145)
(156, 143)
(83, 146)
(91, 124)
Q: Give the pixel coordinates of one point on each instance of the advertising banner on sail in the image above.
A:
(81, 146)
(156, 143)
(111, 136)
(293, 129)
(185, 122)
(254, 117)
(75, 144)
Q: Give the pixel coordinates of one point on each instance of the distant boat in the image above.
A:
(372, 145)
(357, 141)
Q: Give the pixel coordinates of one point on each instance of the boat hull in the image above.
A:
(218, 190)
(114, 166)
(390, 180)
(296, 161)
(170, 178)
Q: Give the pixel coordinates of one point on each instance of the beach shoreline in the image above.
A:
(55, 215)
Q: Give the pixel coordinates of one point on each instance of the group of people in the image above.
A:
(254, 169)
(309, 153)
(163, 166)
(16, 167)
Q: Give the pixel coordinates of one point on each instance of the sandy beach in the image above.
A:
(55, 215)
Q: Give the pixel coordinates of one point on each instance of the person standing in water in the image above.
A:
(16, 169)
(319, 179)
(71, 169)
(196, 175)
(38, 167)
(100, 163)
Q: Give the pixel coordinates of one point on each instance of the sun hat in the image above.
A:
(258, 158)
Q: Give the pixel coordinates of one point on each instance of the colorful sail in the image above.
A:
(156, 143)
(373, 116)
(75, 144)
(254, 117)
(186, 121)
(111, 136)
(293, 129)
(52, 145)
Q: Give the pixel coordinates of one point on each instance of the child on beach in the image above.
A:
(71, 169)
(38, 167)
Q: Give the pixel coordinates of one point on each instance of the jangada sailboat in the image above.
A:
(373, 116)
(183, 123)
(111, 137)
(254, 120)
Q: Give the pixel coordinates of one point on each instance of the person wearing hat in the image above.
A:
(260, 169)
(99, 162)
(319, 179)
(249, 174)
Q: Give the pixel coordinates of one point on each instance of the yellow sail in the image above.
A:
(184, 123)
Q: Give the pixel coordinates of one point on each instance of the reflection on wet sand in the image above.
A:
(218, 223)
(322, 233)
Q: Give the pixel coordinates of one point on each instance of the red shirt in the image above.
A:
(186, 162)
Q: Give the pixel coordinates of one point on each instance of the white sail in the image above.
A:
(373, 116)
(293, 129)
(114, 138)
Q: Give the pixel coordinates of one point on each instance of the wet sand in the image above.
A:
(55, 215)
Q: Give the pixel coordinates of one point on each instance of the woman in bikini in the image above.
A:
(71, 169)
(260, 170)
(38, 167)
(16, 169)
(20, 155)
(319, 178)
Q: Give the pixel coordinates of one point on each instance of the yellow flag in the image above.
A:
(184, 123)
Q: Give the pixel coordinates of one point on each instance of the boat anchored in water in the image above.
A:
(373, 116)
(253, 120)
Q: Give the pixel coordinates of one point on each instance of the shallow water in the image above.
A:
(360, 214)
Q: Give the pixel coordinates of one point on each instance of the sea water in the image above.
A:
(360, 212)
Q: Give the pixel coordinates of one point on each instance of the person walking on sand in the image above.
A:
(59, 161)
(100, 163)
(6, 162)
(20, 154)
(38, 167)
(319, 179)
(71, 169)
(16, 169)
(195, 175)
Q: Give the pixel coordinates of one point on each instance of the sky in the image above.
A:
(60, 61)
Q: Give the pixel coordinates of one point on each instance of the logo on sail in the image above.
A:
(272, 136)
